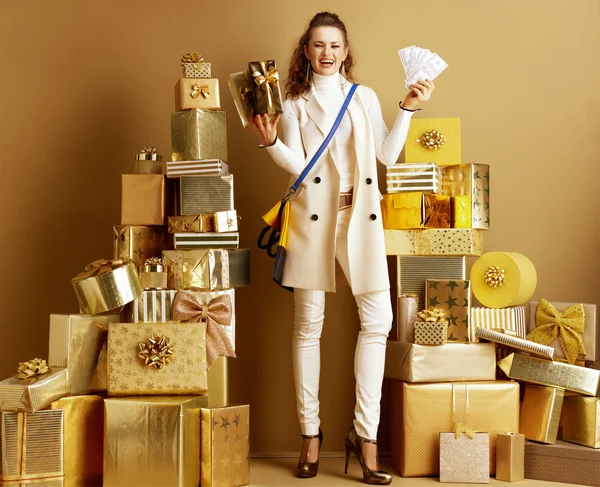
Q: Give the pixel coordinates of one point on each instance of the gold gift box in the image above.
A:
(143, 198)
(148, 162)
(207, 240)
(555, 374)
(83, 439)
(98, 291)
(226, 221)
(240, 90)
(420, 412)
(434, 241)
(152, 441)
(532, 348)
(128, 374)
(205, 167)
(511, 320)
(153, 276)
(540, 413)
(469, 184)
(190, 223)
(31, 446)
(218, 382)
(197, 93)
(465, 460)
(415, 210)
(453, 297)
(413, 177)
(36, 393)
(75, 344)
(510, 457)
(460, 212)
(580, 420)
(205, 194)
(225, 446)
(265, 85)
(431, 333)
(403, 328)
(197, 70)
(449, 153)
(198, 134)
(138, 243)
(421, 363)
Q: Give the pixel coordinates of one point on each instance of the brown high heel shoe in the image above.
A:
(354, 445)
(309, 469)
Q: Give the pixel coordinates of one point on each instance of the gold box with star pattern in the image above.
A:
(156, 359)
(469, 187)
(225, 446)
(152, 441)
(138, 243)
(453, 297)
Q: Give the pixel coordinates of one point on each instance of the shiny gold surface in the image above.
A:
(138, 243)
(143, 199)
(32, 368)
(239, 87)
(153, 279)
(580, 421)
(226, 221)
(403, 329)
(198, 134)
(465, 460)
(190, 223)
(265, 87)
(471, 180)
(200, 93)
(434, 241)
(31, 395)
(530, 347)
(510, 457)
(218, 382)
(197, 268)
(540, 413)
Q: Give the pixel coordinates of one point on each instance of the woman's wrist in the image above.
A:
(408, 108)
(267, 143)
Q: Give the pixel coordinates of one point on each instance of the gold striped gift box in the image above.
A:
(513, 342)
(207, 240)
(426, 176)
(205, 194)
(34, 394)
(510, 319)
(205, 167)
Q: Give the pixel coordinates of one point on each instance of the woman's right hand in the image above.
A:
(265, 127)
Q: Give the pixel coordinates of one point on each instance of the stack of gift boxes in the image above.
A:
(135, 388)
(477, 391)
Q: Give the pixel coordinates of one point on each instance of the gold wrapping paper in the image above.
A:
(197, 70)
(493, 407)
(153, 277)
(138, 243)
(403, 328)
(449, 153)
(510, 457)
(129, 376)
(31, 395)
(511, 320)
(31, 446)
(413, 177)
(470, 184)
(226, 221)
(207, 240)
(143, 199)
(197, 93)
(240, 90)
(148, 167)
(152, 441)
(205, 194)
(580, 420)
(106, 291)
(454, 299)
(461, 212)
(191, 223)
(465, 460)
(420, 363)
(431, 333)
(540, 413)
(218, 382)
(415, 210)
(266, 89)
(434, 241)
(55, 482)
(225, 446)
(198, 134)
(205, 167)
(570, 377)
(75, 344)
(507, 340)
(83, 439)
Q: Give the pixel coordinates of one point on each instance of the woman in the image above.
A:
(335, 214)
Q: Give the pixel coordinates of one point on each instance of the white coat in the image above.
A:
(310, 259)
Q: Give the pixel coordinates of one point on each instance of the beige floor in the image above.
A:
(279, 472)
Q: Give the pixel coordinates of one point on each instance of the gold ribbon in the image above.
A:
(494, 276)
(191, 57)
(156, 351)
(432, 315)
(463, 428)
(267, 81)
(246, 94)
(198, 90)
(568, 326)
(216, 314)
(153, 261)
(99, 267)
(148, 150)
(432, 140)
(31, 368)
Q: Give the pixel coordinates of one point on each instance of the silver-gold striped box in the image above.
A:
(207, 240)
(511, 319)
(424, 176)
(532, 348)
(205, 194)
(205, 167)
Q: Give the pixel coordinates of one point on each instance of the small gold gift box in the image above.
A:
(460, 211)
(415, 210)
(194, 66)
(191, 224)
(580, 420)
(197, 93)
(35, 393)
(434, 140)
(469, 186)
(153, 276)
(465, 460)
(540, 413)
(148, 161)
(198, 134)
(266, 88)
(431, 333)
(510, 457)
(143, 199)
(453, 297)
(138, 243)
(226, 221)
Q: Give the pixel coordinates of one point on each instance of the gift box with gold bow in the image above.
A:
(106, 285)
(143, 199)
(507, 320)
(194, 66)
(266, 90)
(198, 134)
(197, 93)
(540, 413)
(426, 176)
(225, 448)
(148, 161)
(31, 446)
(191, 224)
(226, 221)
(415, 210)
(138, 243)
(453, 297)
(469, 187)
(432, 329)
(205, 167)
(205, 194)
(465, 458)
(241, 92)
(168, 428)
(570, 328)
(580, 420)
(434, 241)
(35, 387)
(433, 140)
(420, 412)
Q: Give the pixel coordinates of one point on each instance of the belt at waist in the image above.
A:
(345, 200)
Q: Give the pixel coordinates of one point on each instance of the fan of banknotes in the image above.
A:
(420, 64)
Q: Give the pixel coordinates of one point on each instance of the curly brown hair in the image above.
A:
(297, 83)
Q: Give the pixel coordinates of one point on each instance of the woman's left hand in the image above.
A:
(419, 92)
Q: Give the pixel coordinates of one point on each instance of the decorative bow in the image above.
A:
(267, 82)
(191, 57)
(153, 261)
(99, 267)
(148, 150)
(463, 428)
(246, 94)
(156, 351)
(432, 140)
(494, 276)
(432, 315)
(567, 325)
(198, 90)
(216, 314)
(31, 368)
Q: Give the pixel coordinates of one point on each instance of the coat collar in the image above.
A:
(315, 110)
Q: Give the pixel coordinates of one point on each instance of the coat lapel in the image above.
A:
(315, 111)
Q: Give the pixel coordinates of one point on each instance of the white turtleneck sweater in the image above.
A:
(330, 95)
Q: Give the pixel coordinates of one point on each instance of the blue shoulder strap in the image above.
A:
(323, 146)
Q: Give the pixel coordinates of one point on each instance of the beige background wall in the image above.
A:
(85, 85)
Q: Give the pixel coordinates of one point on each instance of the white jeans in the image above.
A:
(375, 313)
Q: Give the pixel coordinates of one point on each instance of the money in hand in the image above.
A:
(420, 64)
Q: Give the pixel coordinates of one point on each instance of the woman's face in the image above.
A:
(326, 50)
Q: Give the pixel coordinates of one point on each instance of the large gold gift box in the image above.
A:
(83, 439)
(266, 88)
(225, 446)
(445, 154)
(198, 134)
(434, 241)
(75, 344)
(510, 457)
(540, 413)
(36, 393)
(31, 446)
(469, 184)
(143, 199)
(152, 441)
(415, 209)
(156, 359)
(197, 93)
(580, 420)
(454, 299)
(138, 243)
(421, 363)
(420, 412)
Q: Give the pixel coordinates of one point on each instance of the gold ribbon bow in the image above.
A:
(267, 82)
(99, 267)
(463, 428)
(568, 326)
(191, 57)
(494, 276)
(153, 261)
(148, 150)
(432, 140)
(156, 351)
(198, 90)
(31, 368)
(216, 314)
(432, 315)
